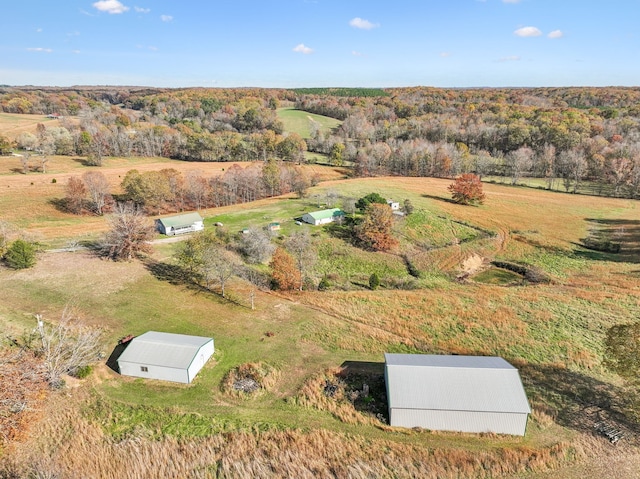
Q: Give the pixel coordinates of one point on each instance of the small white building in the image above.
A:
(179, 224)
(455, 393)
(394, 205)
(323, 216)
(165, 356)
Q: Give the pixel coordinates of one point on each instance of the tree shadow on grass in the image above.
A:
(170, 273)
(581, 401)
(616, 240)
(440, 198)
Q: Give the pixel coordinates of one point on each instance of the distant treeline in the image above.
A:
(344, 92)
(567, 137)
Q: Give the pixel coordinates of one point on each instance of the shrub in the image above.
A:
(374, 281)
(20, 255)
(83, 371)
(324, 284)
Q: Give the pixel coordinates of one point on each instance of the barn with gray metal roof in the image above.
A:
(455, 393)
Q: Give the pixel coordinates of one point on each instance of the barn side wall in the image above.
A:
(153, 372)
(463, 421)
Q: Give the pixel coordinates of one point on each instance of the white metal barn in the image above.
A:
(166, 356)
(322, 217)
(455, 393)
(180, 224)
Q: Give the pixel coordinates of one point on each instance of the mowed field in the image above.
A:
(12, 124)
(299, 121)
(553, 332)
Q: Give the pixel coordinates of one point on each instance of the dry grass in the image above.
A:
(67, 442)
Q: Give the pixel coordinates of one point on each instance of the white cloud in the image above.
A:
(75, 51)
(166, 18)
(38, 30)
(40, 49)
(363, 24)
(528, 32)
(445, 54)
(357, 54)
(512, 58)
(142, 10)
(152, 48)
(510, 1)
(302, 48)
(556, 34)
(110, 6)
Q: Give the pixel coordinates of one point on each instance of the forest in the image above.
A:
(579, 140)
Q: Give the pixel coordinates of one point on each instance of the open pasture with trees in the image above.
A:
(548, 280)
(553, 332)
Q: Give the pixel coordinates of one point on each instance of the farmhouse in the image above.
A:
(166, 356)
(323, 216)
(455, 393)
(179, 224)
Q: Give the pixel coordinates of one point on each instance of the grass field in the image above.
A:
(298, 121)
(553, 332)
(12, 124)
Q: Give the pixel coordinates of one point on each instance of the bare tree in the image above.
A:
(67, 346)
(255, 244)
(129, 233)
(218, 266)
(97, 187)
(518, 163)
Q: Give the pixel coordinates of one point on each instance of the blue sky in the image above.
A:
(304, 43)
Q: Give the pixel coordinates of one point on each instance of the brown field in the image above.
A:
(12, 124)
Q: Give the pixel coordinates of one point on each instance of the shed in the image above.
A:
(273, 226)
(166, 356)
(179, 224)
(323, 216)
(394, 205)
(455, 393)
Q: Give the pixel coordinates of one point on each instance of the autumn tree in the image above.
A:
(129, 233)
(76, 192)
(376, 229)
(467, 189)
(97, 187)
(300, 247)
(284, 273)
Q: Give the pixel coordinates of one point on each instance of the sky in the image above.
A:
(320, 43)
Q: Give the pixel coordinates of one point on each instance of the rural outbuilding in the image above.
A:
(166, 356)
(455, 393)
(179, 224)
(323, 216)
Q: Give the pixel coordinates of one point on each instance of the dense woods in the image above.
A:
(576, 139)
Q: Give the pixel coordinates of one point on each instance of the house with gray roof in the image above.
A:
(323, 216)
(165, 356)
(455, 393)
(180, 224)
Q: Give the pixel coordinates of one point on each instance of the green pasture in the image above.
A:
(298, 121)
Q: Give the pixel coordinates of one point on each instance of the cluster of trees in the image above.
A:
(513, 133)
(168, 190)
